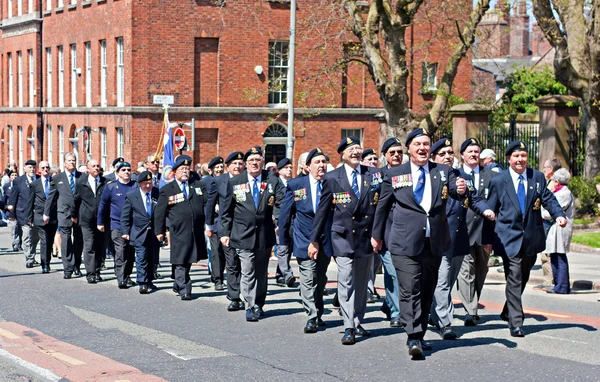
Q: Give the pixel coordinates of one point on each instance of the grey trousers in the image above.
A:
(353, 277)
(471, 278)
(284, 270)
(313, 278)
(15, 233)
(254, 270)
(442, 308)
(30, 242)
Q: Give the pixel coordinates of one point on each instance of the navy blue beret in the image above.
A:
(215, 161)
(469, 142)
(31, 162)
(515, 146)
(413, 134)
(256, 150)
(391, 142)
(182, 160)
(122, 164)
(368, 152)
(313, 153)
(234, 156)
(145, 175)
(348, 141)
(117, 160)
(282, 163)
(444, 142)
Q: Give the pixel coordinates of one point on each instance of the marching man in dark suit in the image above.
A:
(418, 191)
(38, 191)
(88, 192)
(18, 202)
(137, 219)
(350, 194)
(517, 196)
(474, 268)
(298, 210)
(182, 201)
(217, 255)
(284, 273)
(61, 198)
(442, 308)
(247, 225)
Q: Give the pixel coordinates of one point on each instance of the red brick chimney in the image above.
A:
(519, 30)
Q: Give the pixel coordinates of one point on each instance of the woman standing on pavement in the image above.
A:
(558, 239)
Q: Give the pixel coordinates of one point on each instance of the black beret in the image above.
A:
(234, 156)
(282, 163)
(256, 150)
(444, 142)
(515, 146)
(469, 142)
(182, 160)
(391, 142)
(122, 164)
(31, 162)
(413, 134)
(117, 160)
(215, 161)
(314, 153)
(145, 175)
(348, 141)
(368, 152)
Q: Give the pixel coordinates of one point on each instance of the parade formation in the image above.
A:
(429, 223)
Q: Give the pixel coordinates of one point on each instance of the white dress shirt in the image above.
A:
(349, 171)
(468, 171)
(426, 201)
(251, 182)
(284, 181)
(181, 186)
(313, 191)
(515, 178)
(92, 183)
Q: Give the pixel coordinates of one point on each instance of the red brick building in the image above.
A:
(81, 75)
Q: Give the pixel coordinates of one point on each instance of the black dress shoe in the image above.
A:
(447, 333)
(235, 305)
(67, 276)
(250, 316)
(130, 282)
(414, 348)
(370, 298)
(291, 282)
(98, 278)
(143, 289)
(151, 286)
(551, 291)
(325, 292)
(45, 269)
(311, 326)
(280, 282)
(517, 332)
(386, 310)
(504, 316)
(349, 337)
(258, 311)
(395, 322)
(470, 321)
(186, 297)
(91, 279)
(321, 323)
(158, 276)
(28, 265)
(35, 262)
(123, 285)
(362, 331)
(175, 291)
(426, 345)
(335, 301)
(219, 286)
(77, 273)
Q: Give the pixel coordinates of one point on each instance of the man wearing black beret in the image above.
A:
(517, 195)
(284, 274)
(112, 176)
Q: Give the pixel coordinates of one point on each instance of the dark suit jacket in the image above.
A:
(249, 227)
(352, 223)
(86, 203)
(6, 193)
(297, 213)
(134, 218)
(409, 219)
(457, 213)
(481, 230)
(61, 199)
(19, 198)
(212, 200)
(37, 201)
(520, 233)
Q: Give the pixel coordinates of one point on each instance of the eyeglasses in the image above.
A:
(395, 152)
(43, 167)
(125, 169)
(154, 162)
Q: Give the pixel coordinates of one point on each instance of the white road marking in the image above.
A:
(560, 339)
(44, 373)
(169, 343)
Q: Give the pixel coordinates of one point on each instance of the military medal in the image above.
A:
(300, 195)
(376, 198)
(442, 176)
(198, 191)
(445, 192)
(376, 179)
(271, 201)
(263, 186)
(270, 188)
(466, 203)
(486, 192)
(538, 204)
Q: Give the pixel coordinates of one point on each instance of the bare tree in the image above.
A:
(575, 35)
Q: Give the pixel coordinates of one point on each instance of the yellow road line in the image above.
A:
(9, 335)
(546, 313)
(64, 357)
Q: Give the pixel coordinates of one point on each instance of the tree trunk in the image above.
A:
(591, 117)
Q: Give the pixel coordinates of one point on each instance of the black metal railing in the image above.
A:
(576, 149)
(498, 140)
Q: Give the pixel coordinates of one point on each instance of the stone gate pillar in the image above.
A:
(469, 120)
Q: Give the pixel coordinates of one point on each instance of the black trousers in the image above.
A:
(417, 278)
(516, 271)
(124, 256)
(181, 278)
(146, 258)
(217, 258)
(234, 273)
(71, 248)
(46, 234)
(93, 249)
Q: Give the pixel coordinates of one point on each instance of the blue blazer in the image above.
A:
(518, 233)
(456, 212)
(19, 198)
(134, 218)
(298, 213)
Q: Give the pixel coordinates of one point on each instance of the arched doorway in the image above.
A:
(275, 141)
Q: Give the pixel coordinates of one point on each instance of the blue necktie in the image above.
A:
(420, 188)
(183, 188)
(72, 182)
(46, 187)
(521, 195)
(255, 193)
(148, 205)
(319, 188)
(355, 183)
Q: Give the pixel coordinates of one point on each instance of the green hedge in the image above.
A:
(586, 195)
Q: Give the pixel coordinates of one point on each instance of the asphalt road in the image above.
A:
(52, 328)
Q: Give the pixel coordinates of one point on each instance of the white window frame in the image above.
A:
(358, 133)
(30, 6)
(61, 77)
(49, 143)
(48, 5)
(73, 75)
(60, 4)
(61, 146)
(278, 73)
(49, 76)
(103, 149)
(11, 144)
(9, 6)
(88, 74)
(31, 77)
(21, 157)
(120, 72)
(120, 141)
(19, 7)
(10, 81)
(103, 73)
(20, 78)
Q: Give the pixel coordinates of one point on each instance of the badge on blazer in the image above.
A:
(300, 195)
(537, 187)
(376, 179)
(470, 185)
(270, 188)
(271, 201)
(466, 203)
(376, 198)
(174, 199)
(445, 192)
(486, 192)
(401, 181)
(263, 186)
(442, 176)
(198, 191)
(342, 197)
(537, 205)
